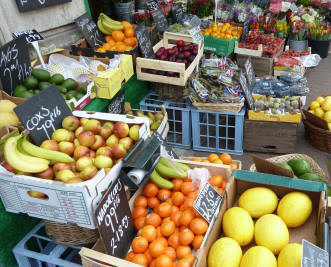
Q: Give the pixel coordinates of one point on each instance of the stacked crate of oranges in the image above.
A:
(224, 31)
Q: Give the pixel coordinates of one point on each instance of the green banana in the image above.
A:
(28, 158)
(170, 172)
(183, 166)
(39, 152)
(20, 161)
(102, 29)
(160, 181)
(166, 163)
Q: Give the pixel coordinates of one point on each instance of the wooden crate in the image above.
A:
(270, 137)
(167, 42)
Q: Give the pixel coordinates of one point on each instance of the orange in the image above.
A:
(120, 47)
(178, 198)
(129, 42)
(163, 261)
(220, 191)
(139, 244)
(139, 223)
(164, 210)
(233, 167)
(174, 209)
(175, 217)
(164, 194)
(153, 219)
(177, 184)
(171, 253)
(196, 159)
(153, 202)
(226, 158)
(212, 157)
(127, 25)
(186, 188)
(158, 232)
(129, 256)
(168, 228)
(109, 38)
(129, 33)
(199, 226)
(224, 183)
(169, 200)
(127, 48)
(173, 240)
(162, 240)
(186, 237)
(186, 217)
(197, 241)
(205, 160)
(193, 194)
(152, 263)
(140, 201)
(148, 255)
(117, 35)
(182, 251)
(218, 161)
(216, 180)
(140, 259)
(150, 190)
(101, 49)
(106, 46)
(157, 248)
(183, 263)
(135, 40)
(190, 258)
(188, 204)
(149, 232)
(139, 212)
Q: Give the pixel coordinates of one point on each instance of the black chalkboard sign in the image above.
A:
(114, 220)
(160, 20)
(245, 87)
(30, 35)
(152, 5)
(43, 113)
(90, 31)
(250, 73)
(177, 11)
(14, 64)
(208, 202)
(116, 105)
(245, 30)
(28, 5)
(313, 255)
(165, 146)
(144, 41)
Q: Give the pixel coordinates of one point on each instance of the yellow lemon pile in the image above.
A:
(321, 107)
(224, 31)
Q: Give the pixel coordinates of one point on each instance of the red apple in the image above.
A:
(105, 150)
(127, 142)
(10, 168)
(93, 126)
(83, 121)
(83, 162)
(72, 136)
(86, 138)
(121, 129)
(112, 140)
(88, 172)
(60, 135)
(74, 180)
(134, 132)
(92, 154)
(81, 151)
(50, 144)
(70, 123)
(67, 147)
(119, 151)
(47, 174)
(109, 124)
(99, 142)
(64, 175)
(102, 161)
(59, 166)
(105, 131)
(79, 130)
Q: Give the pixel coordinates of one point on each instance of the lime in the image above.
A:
(70, 95)
(19, 89)
(79, 95)
(43, 85)
(285, 166)
(62, 89)
(70, 84)
(31, 82)
(36, 91)
(299, 166)
(27, 94)
(311, 177)
(83, 90)
(57, 78)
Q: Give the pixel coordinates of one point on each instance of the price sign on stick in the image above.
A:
(30, 35)
(245, 87)
(177, 11)
(14, 64)
(144, 41)
(250, 73)
(160, 20)
(28, 5)
(43, 113)
(114, 220)
(313, 255)
(152, 5)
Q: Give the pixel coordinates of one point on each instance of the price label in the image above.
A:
(28, 5)
(30, 35)
(160, 20)
(165, 146)
(144, 41)
(114, 220)
(250, 73)
(177, 12)
(152, 5)
(313, 255)
(196, 34)
(208, 202)
(245, 30)
(245, 87)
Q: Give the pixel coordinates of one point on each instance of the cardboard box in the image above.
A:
(66, 202)
(237, 162)
(96, 256)
(16, 100)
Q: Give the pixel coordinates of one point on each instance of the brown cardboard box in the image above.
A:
(16, 100)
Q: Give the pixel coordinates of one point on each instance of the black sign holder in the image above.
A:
(28, 5)
(144, 41)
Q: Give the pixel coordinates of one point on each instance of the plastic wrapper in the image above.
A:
(291, 78)
(200, 89)
(199, 176)
(299, 90)
(214, 62)
(277, 106)
(280, 89)
(311, 60)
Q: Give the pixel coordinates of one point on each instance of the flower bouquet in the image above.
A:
(319, 35)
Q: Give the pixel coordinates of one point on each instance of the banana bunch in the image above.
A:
(166, 169)
(27, 157)
(107, 25)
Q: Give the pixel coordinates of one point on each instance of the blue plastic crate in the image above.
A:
(219, 132)
(152, 101)
(37, 250)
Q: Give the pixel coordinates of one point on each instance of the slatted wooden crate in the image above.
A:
(270, 137)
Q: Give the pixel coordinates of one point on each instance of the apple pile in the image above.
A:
(155, 119)
(92, 143)
(180, 53)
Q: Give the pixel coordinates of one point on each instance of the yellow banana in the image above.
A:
(111, 25)
(54, 156)
(105, 17)
(170, 172)
(102, 29)
(28, 158)
(20, 161)
(160, 181)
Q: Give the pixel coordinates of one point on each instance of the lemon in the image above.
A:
(326, 105)
(225, 252)
(320, 99)
(290, 256)
(329, 124)
(238, 224)
(258, 257)
(319, 112)
(295, 208)
(327, 98)
(271, 232)
(327, 116)
(258, 201)
(314, 105)
(311, 111)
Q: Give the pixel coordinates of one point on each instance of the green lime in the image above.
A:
(83, 90)
(19, 89)
(70, 95)
(31, 82)
(70, 84)
(299, 166)
(43, 85)
(41, 75)
(62, 89)
(79, 95)
(57, 78)
(285, 166)
(27, 94)
(36, 91)
(310, 177)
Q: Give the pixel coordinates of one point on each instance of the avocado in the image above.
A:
(79, 95)
(43, 85)
(36, 91)
(70, 94)
(299, 166)
(310, 177)
(27, 94)
(70, 84)
(285, 166)
(62, 89)
(19, 89)
(57, 78)
(41, 75)
(83, 90)
(31, 82)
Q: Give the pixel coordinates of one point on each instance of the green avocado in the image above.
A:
(43, 85)
(79, 95)
(299, 166)
(41, 75)
(83, 90)
(310, 177)
(62, 89)
(57, 78)
(36, 91)
(70, 94)
(31, 82)
(19, 89)
(285, 166)
(27, 94)
(70, 84)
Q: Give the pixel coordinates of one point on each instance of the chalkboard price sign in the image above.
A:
(207, 202)
(28, 5)
(114, 220)
(30, 35)
(90, 31)
(43, 113)
(14, 64)
(245, 87)
(165, 146)
(152, 5)
(250, 73)
(177, 12)
(116, 105)
(313, 255)
(245, 30)
(144, 41)
(160, 20)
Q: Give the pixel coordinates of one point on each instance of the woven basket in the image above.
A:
(315, 168)
(169, 91)
(317, 137)
(69, 234)
(224, 107)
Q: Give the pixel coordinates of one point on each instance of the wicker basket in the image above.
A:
(224, 107)
(69, 234)
(315, 168)
(169, 91)
(317, 137)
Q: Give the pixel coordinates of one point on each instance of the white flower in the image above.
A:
(242, 17)
(285, 6)
(295, 18)
(307, 18)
